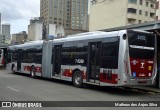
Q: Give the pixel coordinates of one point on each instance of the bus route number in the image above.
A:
(80, 61)
(141, 37)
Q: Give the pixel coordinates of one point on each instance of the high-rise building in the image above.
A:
(66, 13)
(6, 32)
(105, 14)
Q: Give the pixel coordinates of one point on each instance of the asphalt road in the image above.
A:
(19, 87)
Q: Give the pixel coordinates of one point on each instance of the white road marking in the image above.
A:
(13, 89)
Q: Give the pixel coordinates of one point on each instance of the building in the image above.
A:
(19, 37)
(105, 14)
(66, 13)
(35, 29)
(6, 33)
(85, 25)
(158, 10)
(55, 31)
(2, 39)
(0, 23)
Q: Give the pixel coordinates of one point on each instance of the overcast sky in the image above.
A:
(18, 13)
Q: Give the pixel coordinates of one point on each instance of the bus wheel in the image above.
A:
(32, 72)
(77, 79)
(13, 69)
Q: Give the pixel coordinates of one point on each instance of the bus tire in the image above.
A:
(13, 69)
(78, 79)
(32, 72)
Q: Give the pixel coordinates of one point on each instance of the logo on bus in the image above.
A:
(134, 62)
(142, 65)
(134, 74)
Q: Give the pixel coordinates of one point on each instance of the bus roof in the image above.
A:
(87, 36)
(27, 44)
(76, 37)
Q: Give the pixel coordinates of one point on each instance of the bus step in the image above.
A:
(93, 83)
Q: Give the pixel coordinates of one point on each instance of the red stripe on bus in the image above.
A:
(38, 69)
(67, 72)
(27, 68)
(113, 78)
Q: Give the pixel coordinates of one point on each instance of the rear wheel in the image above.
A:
(77, 79)
(32, 72)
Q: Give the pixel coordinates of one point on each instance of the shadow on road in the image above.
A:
(119, 91)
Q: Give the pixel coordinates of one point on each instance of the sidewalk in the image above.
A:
(149, 89)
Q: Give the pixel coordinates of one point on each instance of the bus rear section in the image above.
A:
(142, 58)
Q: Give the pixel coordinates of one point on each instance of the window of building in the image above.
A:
(152, 5)
(140, 2)
(132, 1)
(152, 15)
(146, 13)
(131, 21)
(132, 10)
(140, 21)
(147, 4)
(156, 17)
(140, 12)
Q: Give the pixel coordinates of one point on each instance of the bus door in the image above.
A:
(57, 60)
(19, 59)
(94, 62)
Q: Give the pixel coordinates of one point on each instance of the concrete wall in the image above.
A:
(107, 14)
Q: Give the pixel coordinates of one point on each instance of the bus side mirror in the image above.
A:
(124, 36)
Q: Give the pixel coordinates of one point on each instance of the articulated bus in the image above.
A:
(119, 58)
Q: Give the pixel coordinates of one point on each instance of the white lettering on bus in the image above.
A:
(79, 61)
(141, 47)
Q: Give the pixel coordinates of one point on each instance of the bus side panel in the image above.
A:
(123, 68)
(46, 59)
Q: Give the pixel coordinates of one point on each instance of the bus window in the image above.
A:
(141, 45)
(110, 54)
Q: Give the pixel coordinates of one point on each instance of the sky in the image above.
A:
(18, 13)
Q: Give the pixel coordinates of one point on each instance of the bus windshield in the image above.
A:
(141, 45)
(0, 51)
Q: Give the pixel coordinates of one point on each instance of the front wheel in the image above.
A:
(77, 79)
